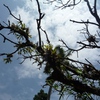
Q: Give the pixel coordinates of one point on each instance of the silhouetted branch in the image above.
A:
(88, 45)
(5, 38)
(41, 15)
(93, 11)
(83, 22)
(77, 85)
(71, 48)
(68, 3)
(19, 19)
(46, 36)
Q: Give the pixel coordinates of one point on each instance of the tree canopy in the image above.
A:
(64, 74)
(40, 96)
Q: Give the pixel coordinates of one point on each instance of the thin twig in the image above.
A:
(12, 14)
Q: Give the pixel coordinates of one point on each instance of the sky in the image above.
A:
(23, 81)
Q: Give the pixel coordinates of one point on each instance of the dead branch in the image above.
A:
(19, 19)
(93, 11)
(41, 15)
(83, 22)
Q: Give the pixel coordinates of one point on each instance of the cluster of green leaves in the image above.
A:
(58, 55)
(52, 55)
(24, 49)
(84, 96)
(55, 56)
(40, 96)
(49, 53)
(8, 58)
(20, 30)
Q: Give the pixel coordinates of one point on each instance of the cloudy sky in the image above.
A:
(22, 82)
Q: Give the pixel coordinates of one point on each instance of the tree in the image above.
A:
(40, 96)
(65, 75)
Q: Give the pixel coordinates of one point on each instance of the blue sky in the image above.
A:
(11, 86)
(22, 82)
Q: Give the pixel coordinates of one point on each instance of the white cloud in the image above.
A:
(40, 76)
(29, 70)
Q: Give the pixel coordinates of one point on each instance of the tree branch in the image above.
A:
(94, 13)
(77, 85)
(41, 15)
(85, 22)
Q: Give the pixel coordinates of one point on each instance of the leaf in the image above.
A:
(7, 60)
(23, 26)
(79, 71)
(56, 86)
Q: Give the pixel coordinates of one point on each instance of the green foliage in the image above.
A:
(56, 56)
(84, 96)
(20, 31)
(25, 50)
(59, 51)
(40, 96)
(79, 71)
(7, 60)
(47, 69)
(48, 54)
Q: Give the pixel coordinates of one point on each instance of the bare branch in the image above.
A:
(41, 15)
(12, 14)
(71, 48)
(69, 3)
(88, 45)
(5, 38)
(94, 13)
(83, 22)
(46, 36)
